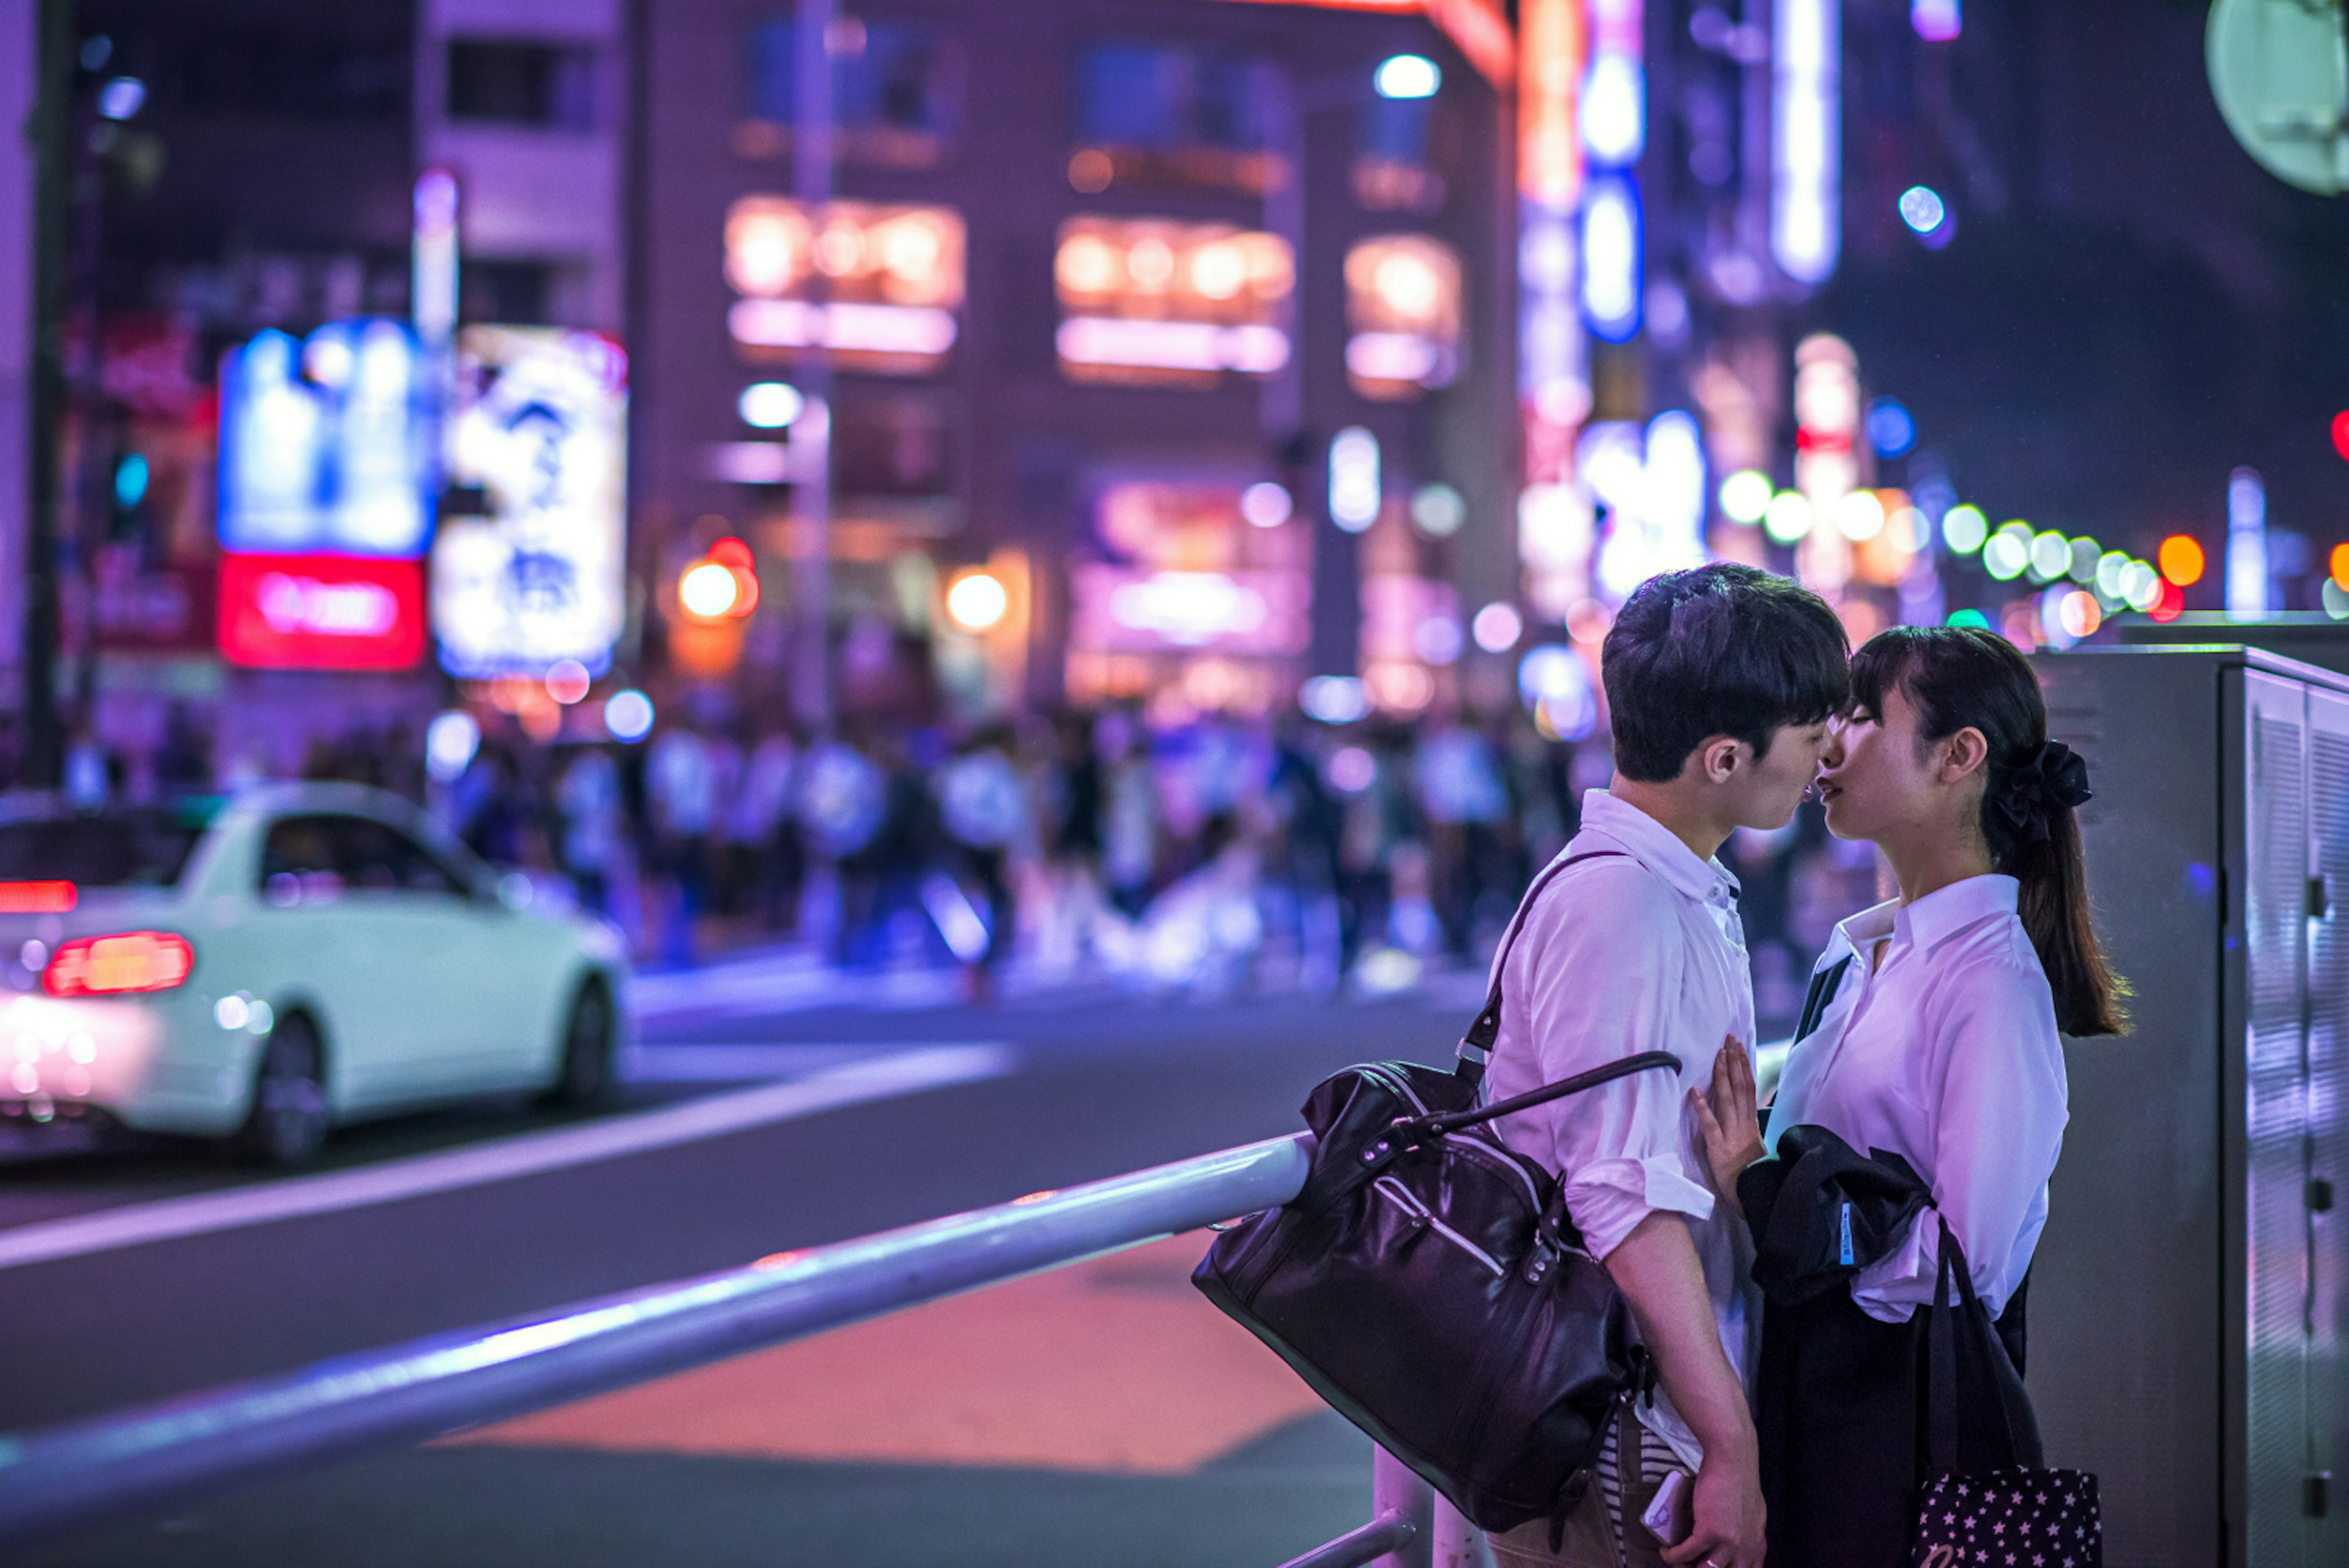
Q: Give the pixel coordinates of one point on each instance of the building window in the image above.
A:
(1394, 169)
(1170, 114)
(279, 73)
(1146, 300)
(881, 286)
(511, 292)
(544, 85)
(896, 92)
(1402, 314)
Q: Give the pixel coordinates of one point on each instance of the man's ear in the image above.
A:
(1719, 758)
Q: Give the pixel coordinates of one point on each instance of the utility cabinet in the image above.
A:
(2190, 1296)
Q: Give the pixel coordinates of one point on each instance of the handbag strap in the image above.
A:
(1453, 1121)
(1476, 1045)
(1942, 1374)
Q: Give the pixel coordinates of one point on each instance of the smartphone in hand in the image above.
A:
(1667, 1516)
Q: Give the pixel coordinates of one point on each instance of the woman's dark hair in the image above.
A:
(1958, 677)
(1725, 649)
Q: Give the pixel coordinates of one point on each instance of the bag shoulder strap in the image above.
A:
(1942, 1374)
(1476, 1045)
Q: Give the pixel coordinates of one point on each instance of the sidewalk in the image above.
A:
(793, 977)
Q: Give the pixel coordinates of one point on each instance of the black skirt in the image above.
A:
(1839, 1403)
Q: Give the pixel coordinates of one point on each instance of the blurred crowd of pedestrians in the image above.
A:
(1217, 857)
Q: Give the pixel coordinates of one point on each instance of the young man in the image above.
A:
(1719, 682)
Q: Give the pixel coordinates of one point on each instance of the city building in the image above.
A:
(1170, 347)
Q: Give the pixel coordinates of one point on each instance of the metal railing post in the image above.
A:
(1396, 1488)
(1455, 1542)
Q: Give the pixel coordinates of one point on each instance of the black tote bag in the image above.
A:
(2022, 1514)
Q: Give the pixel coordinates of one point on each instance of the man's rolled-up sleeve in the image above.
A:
(1600, 978)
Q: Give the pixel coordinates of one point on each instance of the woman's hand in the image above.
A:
(1727, 1118)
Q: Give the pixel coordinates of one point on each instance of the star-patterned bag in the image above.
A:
(2030, 1519)
(2014, 1518)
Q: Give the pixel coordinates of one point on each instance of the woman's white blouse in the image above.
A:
(1943, 1050)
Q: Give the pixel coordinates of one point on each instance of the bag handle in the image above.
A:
(1476, 1045)
(1942, 1374)
(1417, 1130)
(1453, 1121)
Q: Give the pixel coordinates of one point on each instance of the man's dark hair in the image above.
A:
(1725, 649)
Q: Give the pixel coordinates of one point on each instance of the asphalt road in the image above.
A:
(159, 1271)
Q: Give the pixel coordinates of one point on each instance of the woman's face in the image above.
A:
(1878, 782)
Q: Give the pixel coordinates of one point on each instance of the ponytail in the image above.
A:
(1966, 677)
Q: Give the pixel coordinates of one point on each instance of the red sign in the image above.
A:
(321, 612)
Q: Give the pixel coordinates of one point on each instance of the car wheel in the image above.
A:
(288, 1123)
(588, 1078)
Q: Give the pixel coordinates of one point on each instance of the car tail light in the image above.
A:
(112, 966)
(38, 898)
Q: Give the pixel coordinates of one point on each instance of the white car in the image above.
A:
(262, 968)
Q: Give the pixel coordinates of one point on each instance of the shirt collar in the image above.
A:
(1657, 848)
(1933, 919)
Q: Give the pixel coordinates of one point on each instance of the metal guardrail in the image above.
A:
(78, 1474)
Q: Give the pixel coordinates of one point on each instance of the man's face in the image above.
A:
(1766, 790)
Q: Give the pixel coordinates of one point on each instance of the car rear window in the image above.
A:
(119, 849)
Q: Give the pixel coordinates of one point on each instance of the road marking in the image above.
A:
(527, 1154)
(741, 1063)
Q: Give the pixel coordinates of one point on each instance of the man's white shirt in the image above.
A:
(1642, 950)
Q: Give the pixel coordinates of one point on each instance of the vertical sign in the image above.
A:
(1554, 387)
(539, 425)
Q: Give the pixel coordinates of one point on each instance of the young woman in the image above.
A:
(1932, 1033)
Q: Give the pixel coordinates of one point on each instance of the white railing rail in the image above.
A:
(66, 1477)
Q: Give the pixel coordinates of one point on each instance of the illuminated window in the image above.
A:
(891, 281)
(1184, 594)
(1169, 114)
(1402, 310)
(1150, 300)
(897, 92)
(1394, 166)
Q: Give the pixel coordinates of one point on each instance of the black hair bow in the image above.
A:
(2054, 777)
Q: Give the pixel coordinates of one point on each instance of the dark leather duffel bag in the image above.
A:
(1428, 1282)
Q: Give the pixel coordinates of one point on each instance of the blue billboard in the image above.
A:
(326, 443)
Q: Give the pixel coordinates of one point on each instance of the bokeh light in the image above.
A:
(1266, 504)
(1891, 429)
(449, 741)
(2050, 555)
(1963, 530)
(2180, 559)
(1788, 517)
(770, 405)
(709, 590)
(1922, 209)
(1334, 698)
(978, 601)
(2340, 564)
(2006, 554)
(1860, 515)
(1746, 495)
(568, 681)
(629, 715)
(1497, 628)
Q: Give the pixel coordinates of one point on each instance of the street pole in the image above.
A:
(43, 762)
(811, 524)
